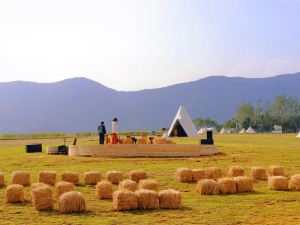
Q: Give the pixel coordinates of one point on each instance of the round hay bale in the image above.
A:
(63, 187)
(114, 177)
(20, 177)
(276, 171)
(227, 185)
(148, 185)
(278, 183)
(147, 199)
(92, 177)
(47, 177)
(34, 186)
(137, 175)
(169, 199)
(2, 179)
(295, 182)
(52, 150)
(213, 173)
(244, 184)
(236, 171)
(207, 187)
(184, 175)
(72, 201)
(198, 174)
(104, 190)
(258, 173)
(42, 198)
(14, 193)
(124, 200)
(129, 185)
(71, 177)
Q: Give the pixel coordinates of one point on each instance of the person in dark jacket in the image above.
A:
(101, 132)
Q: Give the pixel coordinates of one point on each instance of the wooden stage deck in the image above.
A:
(143, 150)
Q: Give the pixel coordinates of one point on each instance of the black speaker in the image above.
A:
(33, 148)
(209, 135)
(207, 142)
(62, 149)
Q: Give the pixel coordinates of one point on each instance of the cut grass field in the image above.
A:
(263, 206)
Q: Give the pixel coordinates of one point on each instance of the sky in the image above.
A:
(141, 44)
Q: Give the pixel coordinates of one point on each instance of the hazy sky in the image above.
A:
(130, 45)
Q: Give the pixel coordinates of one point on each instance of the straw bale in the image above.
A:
(104, 190)
(72, 201)
(63, 187)
(47, 177)
(92, 177)
(147, 199)
(34, 186)
(141, 141)
(276, 171)
(213, 173)
(148, 184)
(124, 200)
(2, 179)
(259, 173)
(14, 193)
(164, 142)
(184, 175)
(278, 183)
(207, 187)
(128, 141)
(198, 174)
(227, 185)
(137, 175)
(20, 177)
(71, 177)
(42, 198)
(236, 171)
(129, 185)
(244, 184)
(114, 177)
(295, 182)
(169, 199)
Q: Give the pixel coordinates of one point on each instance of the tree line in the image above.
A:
(262, 116)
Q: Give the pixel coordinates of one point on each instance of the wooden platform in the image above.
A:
(163, 150)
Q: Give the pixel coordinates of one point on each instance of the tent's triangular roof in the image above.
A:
(298, 135)
(223, 131)
(243, 131)
(183, 118)
(251, 130)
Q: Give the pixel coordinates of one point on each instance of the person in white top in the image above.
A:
(114, 131)
(165, 133)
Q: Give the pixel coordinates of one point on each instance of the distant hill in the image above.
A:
(79, 104)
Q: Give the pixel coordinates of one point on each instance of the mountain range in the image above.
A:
(79, 104)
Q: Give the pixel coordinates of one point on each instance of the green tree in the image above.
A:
(245, 112)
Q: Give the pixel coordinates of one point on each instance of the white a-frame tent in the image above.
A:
(298, 135)
(182, 125)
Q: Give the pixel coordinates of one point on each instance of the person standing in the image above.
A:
(101, 132)
(114, 131)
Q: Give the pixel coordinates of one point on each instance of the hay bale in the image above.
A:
(47, 177)
(278, 183)
(71, 177)
(258, 173)
(148, 185)
(295, 182)
(184, 175)
(92, 178)
(72, 201)
(141, 142)
(137, 175)
(207, 187)
(63, 187)
(14, 193)
(169, 199)
(104, 190)
(42, 198)
(147, 199)
(276, 171)
(198, 174)
(244, 184)
(227, 185)
(34, 186)
(236, 171)
(2, 179)
(124, 200)
(128, 141)
(114, 177)
(129, 185)
(213, 173)
(20, 177)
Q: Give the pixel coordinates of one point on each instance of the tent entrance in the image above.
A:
(178, 131)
